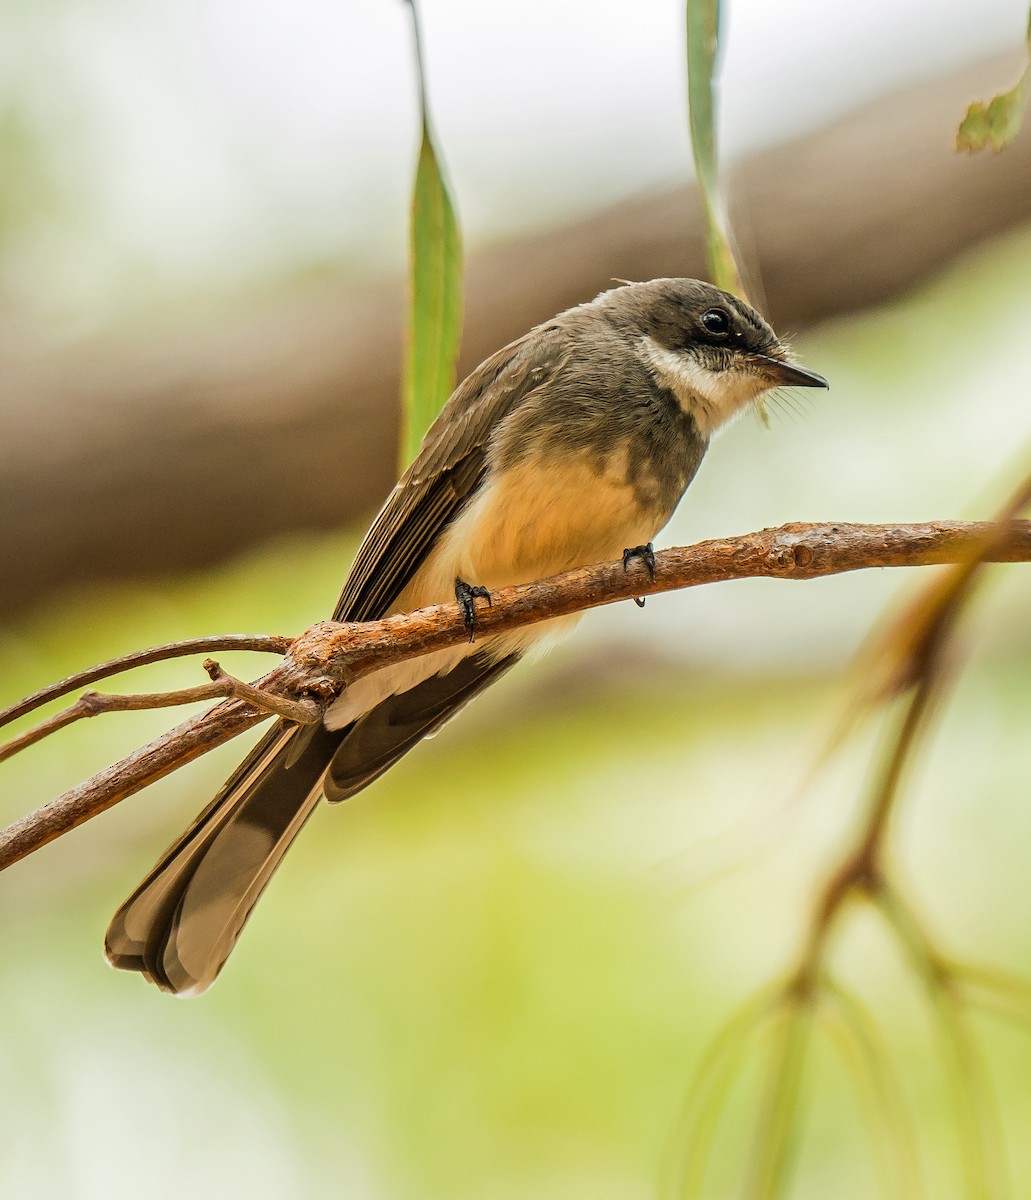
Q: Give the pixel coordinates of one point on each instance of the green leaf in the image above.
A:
(998, 122)
(995, 124)
(703, 25)
(435, 288)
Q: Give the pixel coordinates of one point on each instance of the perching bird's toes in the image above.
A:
(466, 595)
(647, 555)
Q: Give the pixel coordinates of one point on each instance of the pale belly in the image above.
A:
(528, 524)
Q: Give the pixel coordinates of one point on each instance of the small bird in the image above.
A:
(572, 445)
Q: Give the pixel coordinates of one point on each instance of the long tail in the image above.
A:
(179, 926)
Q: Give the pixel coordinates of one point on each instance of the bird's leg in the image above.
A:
(466, 595)
(647, 555)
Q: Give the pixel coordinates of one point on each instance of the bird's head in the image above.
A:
(714, 352)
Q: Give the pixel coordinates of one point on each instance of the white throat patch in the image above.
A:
(712, 397)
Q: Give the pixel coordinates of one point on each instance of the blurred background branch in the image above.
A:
(124, 455)
(911, 661)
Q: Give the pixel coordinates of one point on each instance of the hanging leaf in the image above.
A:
(703, 45)
(995, 124)
(434, 286)
(998, 122)
(703, 26)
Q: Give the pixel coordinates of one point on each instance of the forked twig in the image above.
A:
(331, 655)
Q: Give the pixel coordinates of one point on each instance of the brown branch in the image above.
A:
(262, 643)
(331, 655)
(93, 704)
(302, 712)
(908, 656)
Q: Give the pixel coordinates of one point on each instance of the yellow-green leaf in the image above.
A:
(998, 122)
(995, 124)
(435, 288)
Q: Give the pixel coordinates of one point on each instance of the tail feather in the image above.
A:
(179, 926)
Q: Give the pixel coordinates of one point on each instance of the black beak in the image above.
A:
(786, 375)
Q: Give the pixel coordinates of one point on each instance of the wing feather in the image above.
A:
(446, 472)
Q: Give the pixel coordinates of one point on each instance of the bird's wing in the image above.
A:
(448, 469)
(180, 924)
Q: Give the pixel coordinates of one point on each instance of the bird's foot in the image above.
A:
(647, 555)
(466, 595)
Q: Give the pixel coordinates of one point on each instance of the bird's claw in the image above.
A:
(647, 555)
(466, 595)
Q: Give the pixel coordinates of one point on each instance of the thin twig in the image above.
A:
(92, 704)
(302, 712)
(331, 655)
(262, 643)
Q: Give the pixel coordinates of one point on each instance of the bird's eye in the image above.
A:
(716, 321)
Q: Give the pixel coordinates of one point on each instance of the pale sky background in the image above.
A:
(219, 140)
